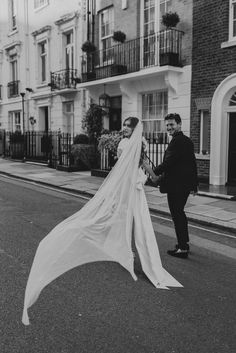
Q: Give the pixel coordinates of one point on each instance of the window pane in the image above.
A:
(205, 126)
(154, 109)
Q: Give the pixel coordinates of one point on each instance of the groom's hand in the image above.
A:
(155, 179)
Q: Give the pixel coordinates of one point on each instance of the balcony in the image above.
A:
(64, 79)
(13, 89)
(159, 49)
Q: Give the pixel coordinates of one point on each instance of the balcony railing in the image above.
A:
(63, 79)
(13, 89)
(159, 49)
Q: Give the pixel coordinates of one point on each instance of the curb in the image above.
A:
(191, 218)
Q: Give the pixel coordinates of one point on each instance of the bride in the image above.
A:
(102, 229)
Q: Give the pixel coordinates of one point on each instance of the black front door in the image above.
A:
(232, 149)
(115, 114)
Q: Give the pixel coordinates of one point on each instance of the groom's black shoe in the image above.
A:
(183, 254)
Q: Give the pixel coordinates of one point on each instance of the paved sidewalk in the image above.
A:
(202, 209)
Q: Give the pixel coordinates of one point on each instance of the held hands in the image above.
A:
(155, 179)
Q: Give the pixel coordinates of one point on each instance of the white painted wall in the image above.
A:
(28, 21)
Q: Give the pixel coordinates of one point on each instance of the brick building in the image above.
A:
(213, 97)
(147, 75)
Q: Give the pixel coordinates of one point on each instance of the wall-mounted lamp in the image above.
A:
(29, 89)
(32, 120)
(104, 100)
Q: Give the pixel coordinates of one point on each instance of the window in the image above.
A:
(204, 131)
(12, 15)
(232, 101)
(69, 50)
(43, 61)
(164, 7)
(40, 3)
(68, 117)
(152, 16)
(154, 109)
(13, 68)
(232, 20)
(106, 33)
(14, 122)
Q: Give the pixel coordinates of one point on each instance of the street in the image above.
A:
(98, 307)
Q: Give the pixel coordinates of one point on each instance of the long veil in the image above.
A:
(102, 231)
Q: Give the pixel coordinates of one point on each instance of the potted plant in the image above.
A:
(170, 19)
(118, 67)
(89, 48)
(119, 36)
(169, 40)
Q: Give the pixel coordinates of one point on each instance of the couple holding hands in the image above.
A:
(103, 229)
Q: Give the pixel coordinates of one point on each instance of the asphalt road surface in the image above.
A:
(98, 307)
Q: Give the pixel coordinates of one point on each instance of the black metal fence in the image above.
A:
(64, 79)
(156, 146)
(158, 49)
(54, 148)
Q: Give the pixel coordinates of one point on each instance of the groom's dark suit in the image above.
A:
(178, 178)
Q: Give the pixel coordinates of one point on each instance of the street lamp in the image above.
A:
(23, 110)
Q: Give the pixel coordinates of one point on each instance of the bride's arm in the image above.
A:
(118, 154)
(148, 168)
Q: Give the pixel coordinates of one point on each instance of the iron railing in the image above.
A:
(64, 79)
(13, 89)
(52, 148)
(159, 49)
(156, 146)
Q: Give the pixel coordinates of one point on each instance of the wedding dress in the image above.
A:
(102, 230)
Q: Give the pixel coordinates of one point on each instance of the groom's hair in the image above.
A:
(174, 116)
(133, 121)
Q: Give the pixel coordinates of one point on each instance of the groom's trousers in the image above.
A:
(177, 202)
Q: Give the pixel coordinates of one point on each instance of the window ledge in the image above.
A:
(42, 85)
(229, 43)
(14, 31)
(202, 156)
(36, 9)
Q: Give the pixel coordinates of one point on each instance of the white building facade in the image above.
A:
(148, 75)
(40, 48)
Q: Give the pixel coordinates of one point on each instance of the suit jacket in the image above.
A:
(179, 168)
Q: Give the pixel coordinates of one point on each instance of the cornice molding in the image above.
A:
(66, 18)
(41, 30)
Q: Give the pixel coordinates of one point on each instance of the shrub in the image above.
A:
(81, 139)
(110, 141)
(92, 121)
(83, 155)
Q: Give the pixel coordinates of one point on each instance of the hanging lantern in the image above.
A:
(104, 100)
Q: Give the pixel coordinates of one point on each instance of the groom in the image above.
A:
(177, 176)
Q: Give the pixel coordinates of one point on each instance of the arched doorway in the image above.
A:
(223, 115)
(232, 142)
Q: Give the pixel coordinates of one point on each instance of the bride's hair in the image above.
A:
(133, 121)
